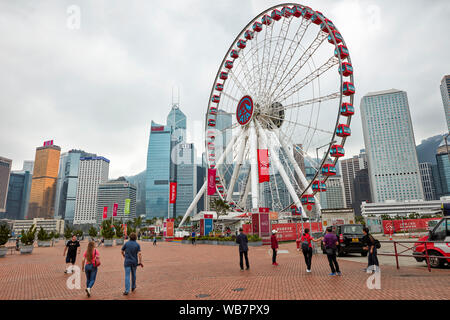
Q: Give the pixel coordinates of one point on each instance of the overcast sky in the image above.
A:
(97, 87)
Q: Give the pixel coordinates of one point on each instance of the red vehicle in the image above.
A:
(219, 87)
(335, 35)
(343, 130)
(234, 54)
(286, 12)
(266, 19)
(347, 109)
(211, 123)
(257, 26)
(249, 35)
(242, 44)
(215, 99)
(329, 170)
(307, 13)
(316, 18)
(224, 75)
(229, 64)
(319, 186)
(347, 69)
(308, 199)
(213, 110)
(441, 232)
(348, 88)
(276, 15)
(342, 52)
(210, 145)
(297, 11)
(323, 26)
(337, 151)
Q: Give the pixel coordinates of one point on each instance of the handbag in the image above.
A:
(96, 261)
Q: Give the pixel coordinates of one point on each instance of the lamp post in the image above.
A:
(318, 169)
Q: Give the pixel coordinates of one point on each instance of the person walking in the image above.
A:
(370, 245)
(72, 249)
(305, 241)
(154, 240)
(91, 261)
(330, 241)
(193, 237)
(242, 240)
(274, 245)
(131, 251)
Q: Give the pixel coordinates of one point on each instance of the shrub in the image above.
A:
(28, 236)
(68, 232)
(92, 232)
(107, 230)
(4, 234)
(119, 230)
(43, 235)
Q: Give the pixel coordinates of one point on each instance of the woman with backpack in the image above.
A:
(91, 262)
(306, 245)
(371, 246)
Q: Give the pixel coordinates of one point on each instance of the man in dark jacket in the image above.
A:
(242, 240)
(274, 245)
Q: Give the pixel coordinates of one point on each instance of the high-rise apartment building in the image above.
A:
(445, 92)
(158, 171)
(116, 192)
(349, 168)
(443, 169)
(5, 170)
(66, 186)
(92, 172)
(390, 145)
(429, 188)
(43, 185)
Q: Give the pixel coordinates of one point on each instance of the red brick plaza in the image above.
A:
(175, 271)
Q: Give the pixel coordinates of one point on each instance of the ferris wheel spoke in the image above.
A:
(238, 84)
(290, 75)
(255, 61)
(283, 95)
(230, 96)
(237, 166)
(266, 56)
(299, 104)
(249, 79)
(297, 124)
(253, 141)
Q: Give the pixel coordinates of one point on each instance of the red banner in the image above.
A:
(211, 182)
(173, 192)
(247, 228)
(393, 226)
(263, 165)
(105, 212)
(115, 206)
(286, 231)
(169, 225)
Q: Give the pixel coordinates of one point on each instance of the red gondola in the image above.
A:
(241, 44)
(348, 88)
(347, 109)
(347, 69)
(249, 35)
(211, 146)
(217, 180)
(336, 35)
(329, 170)
(276, 15)
(343, 130)
(343, 52)
(297, 11)
(266, 19)
(229, 64)
(323, 26)
(213, 110)
(319, 186)
(211, 123)
(316, 18)
(257, 27)
(224, 75)
(219, 87)
(234, 54)
(286, 12)
(308, 199)
(307, 13)
(337, 151)
(215, 99)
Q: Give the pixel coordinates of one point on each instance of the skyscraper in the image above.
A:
(334, 197)
(445, 92)
(390, 145)
(66, 186)
(176, 120)
(224, 123)
(18, 195)
(5, 170)
(92, 172)
(443, 168)
(428, 184)
(116, 191)
(43, 185)
(158, 171)
(349, 168)
(28, 165)
(361, 190)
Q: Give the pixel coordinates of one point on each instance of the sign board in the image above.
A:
(115, 207)
(169, 226)
(126, 209)
(208, 226)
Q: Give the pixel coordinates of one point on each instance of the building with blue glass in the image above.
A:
(443, 170)
(18, 195)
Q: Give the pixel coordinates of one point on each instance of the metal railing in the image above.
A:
(400, 244)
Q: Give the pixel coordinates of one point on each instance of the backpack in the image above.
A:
(377, 244)
(305, 245)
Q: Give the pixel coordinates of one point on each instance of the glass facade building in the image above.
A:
(186, 178)
(445, 92)
(5, 170)
(18, 195)
(428, 183)
(443, 168)
(390, 145)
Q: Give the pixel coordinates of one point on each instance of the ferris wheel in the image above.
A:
(283, 92)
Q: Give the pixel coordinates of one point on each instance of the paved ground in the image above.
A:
(175, 271)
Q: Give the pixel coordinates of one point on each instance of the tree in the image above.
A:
(5, 234)
(119, 229)
(43, 235)
(68, 232)
(92, 232)
(220, 206)
(137, 222)
(28, 236)
(107, 230)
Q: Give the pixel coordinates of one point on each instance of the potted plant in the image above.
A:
(93, 233)
(43, 238)
(5, 234)
(119, 233)
(27, 240)
(68, 232)
(108, 232)
(56, 236)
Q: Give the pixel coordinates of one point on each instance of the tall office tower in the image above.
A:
(334, 197)
(428, 184)
(299, 159)
(28, 165)
(5, 170)
(445, 92)
(361, 190)
(349, 168)
(158, 172)
(66, 186)
(390, 145)
(224, 122)
(201, 176)
(91, 173)
(443, 169)
(18, 195)
(185, 177)
(43, 185)
(176, 120)
(116, 192)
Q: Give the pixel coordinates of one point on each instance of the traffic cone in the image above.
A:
(390, 237)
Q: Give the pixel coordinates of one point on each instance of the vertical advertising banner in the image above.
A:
(211, 182)
(263, 165)
(208, 226)
(202, 227)
(105, 212)
(173, 192)
(169, 224)
(264, 225)
(115, 207)
(126, 209)
(255, 223)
